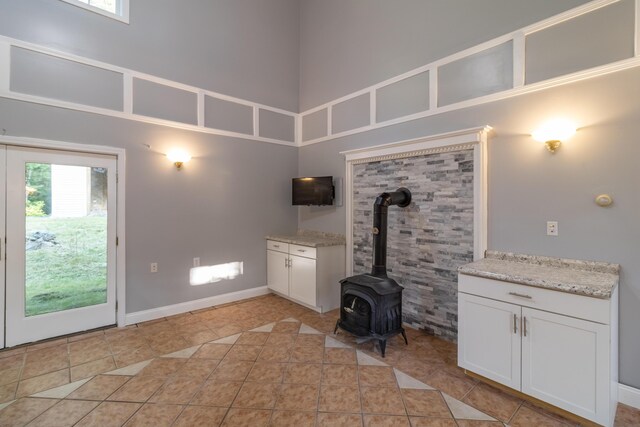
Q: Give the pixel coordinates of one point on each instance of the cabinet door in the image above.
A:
(489, 338)
(278, 272)
(303, 279)
(565, 362)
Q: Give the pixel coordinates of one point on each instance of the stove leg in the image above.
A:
(383, 346)
(336, 328)
(404, 335)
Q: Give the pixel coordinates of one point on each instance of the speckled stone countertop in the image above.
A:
(590, 278)
(311, 238)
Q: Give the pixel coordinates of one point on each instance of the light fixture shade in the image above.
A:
(554, 130)
(178, 156)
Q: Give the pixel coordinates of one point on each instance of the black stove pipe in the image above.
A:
(400, 197)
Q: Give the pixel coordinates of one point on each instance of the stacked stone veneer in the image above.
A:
(428, 240)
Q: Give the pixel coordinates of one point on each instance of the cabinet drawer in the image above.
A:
(305, 251)
(580, 306)
(277, 246)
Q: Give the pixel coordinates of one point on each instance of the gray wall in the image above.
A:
(243, 48)
(218, 208)
(528, 185)
(349, 45)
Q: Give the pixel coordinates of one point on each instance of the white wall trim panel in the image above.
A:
(629, 396)
(120, 153)
(475, 138)
(128, 75)
(184, 307)
(518, 38)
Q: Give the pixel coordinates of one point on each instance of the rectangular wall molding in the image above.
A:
(184, 307)
(508, 67)
(289, 128)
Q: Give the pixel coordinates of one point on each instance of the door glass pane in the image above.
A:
(66, 237)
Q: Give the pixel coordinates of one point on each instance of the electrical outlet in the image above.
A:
(154, 267)
(196, 262)
(552, 228)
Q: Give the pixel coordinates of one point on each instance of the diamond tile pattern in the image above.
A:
(260, 362)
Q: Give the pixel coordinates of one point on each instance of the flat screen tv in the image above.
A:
(317, 191)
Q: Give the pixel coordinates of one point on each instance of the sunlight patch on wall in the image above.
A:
(215, 273)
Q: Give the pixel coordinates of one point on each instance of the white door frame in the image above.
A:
(475, 138)
(3, 245)
(120, 154)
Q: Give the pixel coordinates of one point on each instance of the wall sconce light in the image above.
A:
(178, 157)
(553, 133)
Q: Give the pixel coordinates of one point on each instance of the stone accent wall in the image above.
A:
(427, 240)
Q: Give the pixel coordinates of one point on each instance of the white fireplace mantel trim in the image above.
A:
(475, 138)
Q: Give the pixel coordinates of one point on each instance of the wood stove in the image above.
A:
(371, 304)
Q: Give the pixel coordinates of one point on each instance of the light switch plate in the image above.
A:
(552, 228)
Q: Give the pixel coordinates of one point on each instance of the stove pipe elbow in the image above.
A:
(400, 197)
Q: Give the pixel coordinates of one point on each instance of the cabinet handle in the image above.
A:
(524, 326)
(286, 263)
(515, 324)
(276, 246)
(515, 294)
(301, 250)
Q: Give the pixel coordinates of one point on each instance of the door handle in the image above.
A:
(524, 326)
(515, 294)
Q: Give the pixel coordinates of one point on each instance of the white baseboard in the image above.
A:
(183, 307)
(629, 396)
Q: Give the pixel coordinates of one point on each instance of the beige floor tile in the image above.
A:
(92, 368)
(339, 398)
(64, 413)
(480, 423)
(309, 340)
(382, 400)
(327, 419)
(243, 352)
(45, 360)
(9, 352)
(493, 402)
(85, 335)
(275, 354)
(134, 355)
(201, 416)
(138, 389)
(217, 393)
(200, 337)
(340, 374)
(231, 370)
(109, 414)
(303, 373)
(43, 382)
(286, 327)
(163, 367)
(197, 368)
(627, 416)
(264, 372)
(257, 396)
(99, 388)
(22, 411)
(307, 354)
(425, 403)
(454, 386)
(237, 417)
(10, 368)
(252, 338)
(386, 421)
(46, 344)
(177, 390)
(88, 350)
(376, 376)
(212, 351)
(8, 392)
(293, 419)
(298, 397)
(525, 417)
(433, 422)
(281, 340)
(226, 330)
(155, 415)
(341, 356)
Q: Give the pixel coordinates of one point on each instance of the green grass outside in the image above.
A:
(71, 274)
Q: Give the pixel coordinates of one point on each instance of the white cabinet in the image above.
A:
(557, 347)
(307, 275)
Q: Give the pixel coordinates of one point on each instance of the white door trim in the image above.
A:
(120, 154)
(3, 245)
(475, 138)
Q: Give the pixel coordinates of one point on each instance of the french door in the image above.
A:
(59, 259)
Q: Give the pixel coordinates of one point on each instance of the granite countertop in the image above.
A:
(590, 278)
(311, 238)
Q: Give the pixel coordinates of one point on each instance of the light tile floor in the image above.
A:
(264, 361)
